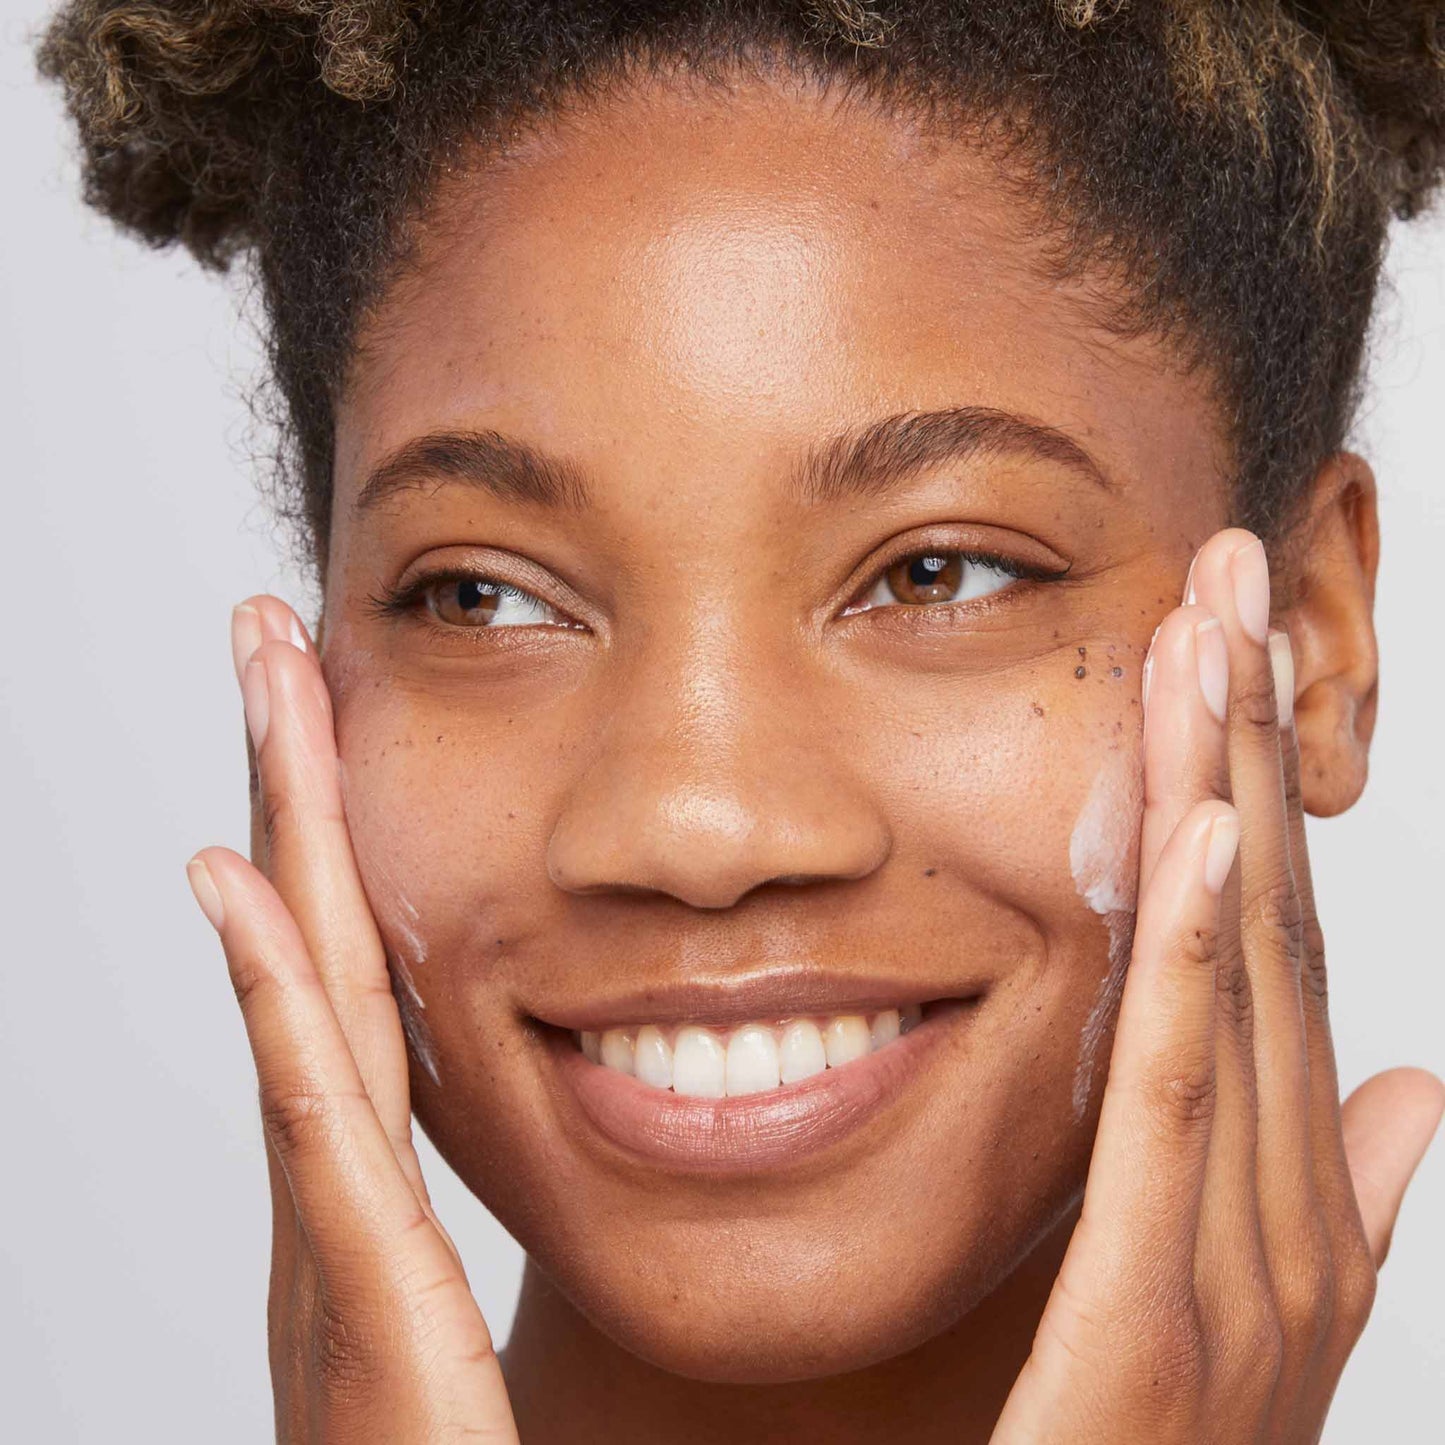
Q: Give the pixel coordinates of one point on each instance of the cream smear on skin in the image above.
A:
(1104, 860)
(398, 922)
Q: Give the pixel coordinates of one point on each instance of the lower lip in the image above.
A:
(753, 1131)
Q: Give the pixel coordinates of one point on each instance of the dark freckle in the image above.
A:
(1083, 652)
(511, 815)
(1116, 672)
(1036, 709)
(439, 737)
(929, 872)
(1081, 672)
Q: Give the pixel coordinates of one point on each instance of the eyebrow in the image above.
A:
(858, 463)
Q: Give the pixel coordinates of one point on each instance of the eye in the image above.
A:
(928, 577)
(481, 602)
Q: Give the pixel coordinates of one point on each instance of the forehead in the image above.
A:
(687, 269)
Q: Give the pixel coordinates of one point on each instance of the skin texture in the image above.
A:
(716, 769)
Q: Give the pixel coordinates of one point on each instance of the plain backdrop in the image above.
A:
(133, 1212)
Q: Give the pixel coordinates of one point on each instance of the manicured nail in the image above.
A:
(1189, 581)
(1211, 656)
(256, 694)
(1219, 852)
(1281, 660)
(207, 894)
(1249, 571)
(298, 634)
(245, 636)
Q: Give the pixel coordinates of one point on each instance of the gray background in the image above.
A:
(133, 1213)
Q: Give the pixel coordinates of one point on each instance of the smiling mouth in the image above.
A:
(748, 1095)
(701, 1061)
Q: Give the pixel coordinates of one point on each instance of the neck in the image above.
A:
(570, 1382)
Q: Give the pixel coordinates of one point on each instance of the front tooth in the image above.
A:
(752, 1061)
(801, 1053)
(885, 1027)
(909, 1017)
(617, 1050)
(846, 1038)
(699, 1064)
(654, 1057)
(592, 1046)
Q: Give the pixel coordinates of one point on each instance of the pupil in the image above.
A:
(925, 570)
(470, 594)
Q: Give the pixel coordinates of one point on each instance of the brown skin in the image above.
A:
(718, 768)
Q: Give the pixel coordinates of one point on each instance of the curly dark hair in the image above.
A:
(1235, 163)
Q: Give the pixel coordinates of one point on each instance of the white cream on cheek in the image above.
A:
(398, 922)
(1104, 860)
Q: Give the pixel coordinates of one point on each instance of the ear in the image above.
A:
(1329, 611)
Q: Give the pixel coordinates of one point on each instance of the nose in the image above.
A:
(718, 769)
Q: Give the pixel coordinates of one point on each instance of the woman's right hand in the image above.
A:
(374, 1334)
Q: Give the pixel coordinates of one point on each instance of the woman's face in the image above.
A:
(796, 711)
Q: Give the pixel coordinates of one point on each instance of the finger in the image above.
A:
(1186, 688)
(1231, 578)
(309, 859)
(370, 1236)
(1142, 1196)
(1185, 760)
(1388, 1124)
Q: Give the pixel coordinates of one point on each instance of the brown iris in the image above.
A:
(931, 577)
(464, 601)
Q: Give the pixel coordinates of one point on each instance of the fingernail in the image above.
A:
(298, 634)
(1281, 660)
(1249, 572)
(245, 636)
(1211, 656)
(256, 695)
(1148, 671)
(207, 894)
(1189, 581)
(1219, 853)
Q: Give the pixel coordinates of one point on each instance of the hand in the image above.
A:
(374, 1334)
(1234, 1216)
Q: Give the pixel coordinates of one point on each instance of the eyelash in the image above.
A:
(403, 602)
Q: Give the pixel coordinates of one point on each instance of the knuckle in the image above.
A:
(1357, 1282)
(1179, 1354)
(343, 1352)
(296, 1120)
(276, 815)
(1276, 910)
(1312, 961)
(1304, 1298)
(1235, 995)
(1293, 787)
(247, 979)
(1199, 947)
(1186, 1097)
(1253, 704)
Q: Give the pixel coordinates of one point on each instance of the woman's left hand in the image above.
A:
(1235, 1215)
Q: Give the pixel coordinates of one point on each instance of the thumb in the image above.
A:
(1388, 1123)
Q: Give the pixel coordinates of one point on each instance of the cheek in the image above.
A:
(438, 813)
(1018, 803)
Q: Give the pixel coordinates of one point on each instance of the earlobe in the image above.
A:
(1330, 617)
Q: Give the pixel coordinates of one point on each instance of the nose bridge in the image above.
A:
(713, 776)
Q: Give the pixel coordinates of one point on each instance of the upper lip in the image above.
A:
(778, 992)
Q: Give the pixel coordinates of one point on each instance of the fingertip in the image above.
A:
(1221, 848)
(246, 636)
(207, 894)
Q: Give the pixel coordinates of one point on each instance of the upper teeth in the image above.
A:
(705, 1064)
